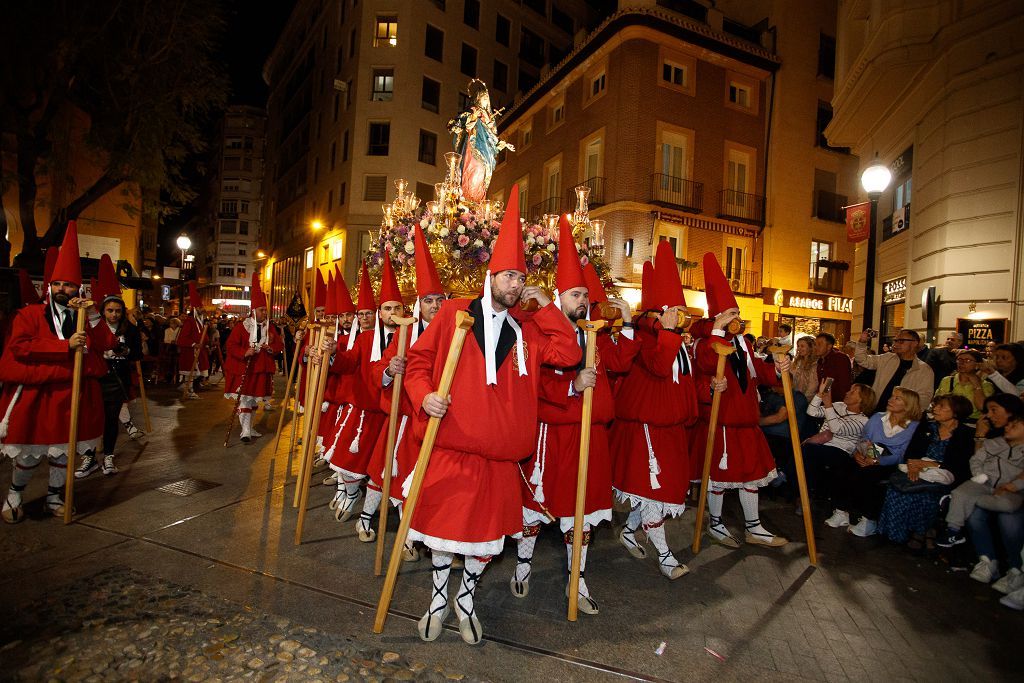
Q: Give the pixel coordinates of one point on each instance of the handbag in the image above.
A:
(902, 483)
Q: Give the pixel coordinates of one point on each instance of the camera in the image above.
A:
(872, 333)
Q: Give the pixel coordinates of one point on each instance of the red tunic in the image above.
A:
(259, 377)
(41, 364)
(362, 427)
(471, 497)
(750, 460)
(556, 458)
(653, 415)
(190, 333)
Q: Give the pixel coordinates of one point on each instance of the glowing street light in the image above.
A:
(874, 179)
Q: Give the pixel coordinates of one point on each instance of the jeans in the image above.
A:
(1011, 533)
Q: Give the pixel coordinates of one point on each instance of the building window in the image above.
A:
(538, 6)
(826, 275)
(471, 13)
(428, 147)
(468, 62)
(344, 147)
(500, 80)
(526, 80)
(330, 201)
(316, 169)
(739, 94)
(531, 48)
(383, 85)
(226, 271)
(527, 136)
(464, 102)
(735, 259)
(228, 227)
(341, 194)
(827, 56)
(387, 31)
(557, 115)
(434, 47)
(524, 196)
(336, 249)
(334, 154)
(309, 258)
(380, 138)
(821, 123)
(553, 185)
(243, 227)
(503, 31)
(352, 44)
(229, 206)
(674, 74)
(337, 104)
(597, 85)
(562, 20)
(376, 188)
(431, 98)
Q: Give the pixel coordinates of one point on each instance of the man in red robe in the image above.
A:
(430, 296)
(337, 406)
(655, 407)
(249, 367)
(470, 499)
(36, 370)
(188, 344)
(554, 465)
(741, 458)
(358, 435)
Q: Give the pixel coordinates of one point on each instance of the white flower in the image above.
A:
(461, 229)
(530, 241)
(478, 243)
(410, 247)
(457, 254)
(444, 232)
(424, 223)
(540, 241)
(551, 247)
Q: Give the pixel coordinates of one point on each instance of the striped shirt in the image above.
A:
(846, 427)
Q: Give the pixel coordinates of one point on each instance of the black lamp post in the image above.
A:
(874, 180)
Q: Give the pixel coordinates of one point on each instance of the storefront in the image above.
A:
(808, 313)
(894, 298)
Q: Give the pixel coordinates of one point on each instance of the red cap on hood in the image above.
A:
(569, 273)
(366, 301)
(389, 290)
(68, 267)
(509, 252)
(343, 302)
(719, 292)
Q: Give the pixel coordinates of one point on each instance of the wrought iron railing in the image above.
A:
(677, 192)
(741, 206)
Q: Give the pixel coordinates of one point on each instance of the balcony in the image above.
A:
(742, 281)
(828, 206)
(677, 193)
(828, 276)
(741, 206)
(549, 205)
(596, 185)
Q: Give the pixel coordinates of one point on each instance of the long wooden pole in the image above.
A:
(309, 447)
(195, 360)
(723, 350)
(142, 396)
(312, 379)
(295, 411)
(76, 402)
(590, 327)
(798, 457)
(463, 323)
(292, 370)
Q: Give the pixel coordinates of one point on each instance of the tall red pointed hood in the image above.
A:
(108, 283)
(427, 280)
(344, 299)
(195, 300)
(27, 289)
(668, 288)
(68, 267)
(647, 287)
(366, 301)
(257, 297)
(594, 287)
(719, 292)
(509, 252)
(330, 302)
(389, 290)
(320, 290)
(569, 273)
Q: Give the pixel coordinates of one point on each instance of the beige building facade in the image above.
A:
(935, 90)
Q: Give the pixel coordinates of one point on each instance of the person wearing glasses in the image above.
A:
(967, 382)
(901, 368)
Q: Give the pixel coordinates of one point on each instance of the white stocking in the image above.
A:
(633, 523)
(471, 574)
(583, 556)
(401, 511)
(442, 567)
(58, 477)
(716, 499)
(653, 515)
(748, 499)
(524, 551)
(370, 505)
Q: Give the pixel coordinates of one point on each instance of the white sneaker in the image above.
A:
(839, 519)
(864, 528)
(1012, 581)
(986, 570)
(1014, 600)
(109, 467)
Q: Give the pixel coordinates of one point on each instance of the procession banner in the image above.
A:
(858, 222)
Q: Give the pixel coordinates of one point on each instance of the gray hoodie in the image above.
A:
(1001, 462)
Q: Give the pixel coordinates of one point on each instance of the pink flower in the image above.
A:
(484, 256)
(536, 259)
(584, 261)
(463, 240)
(485, 233)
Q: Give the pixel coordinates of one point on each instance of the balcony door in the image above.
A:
(737, 180)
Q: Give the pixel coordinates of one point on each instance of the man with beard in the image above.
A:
(36, 370)
(470, 497)
(249, 366)
(554, 465)
(358, 434)
(430, 296)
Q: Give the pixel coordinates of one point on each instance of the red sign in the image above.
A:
(858, 222)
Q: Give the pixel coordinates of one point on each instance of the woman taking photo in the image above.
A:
(854, 483)
(968, 383)
(805, 368)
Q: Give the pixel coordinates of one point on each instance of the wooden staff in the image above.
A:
(142, 396)
(463, 323)
(238, 398)
(312, 379)
(309, 446)
(798, 456)
(295, 411)
(590, 327)
(723, 350)
(76, 399)
(389, 452)
(292, 371)
(195, 361)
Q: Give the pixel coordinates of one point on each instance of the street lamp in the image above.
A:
(874, 180)
(183, 243)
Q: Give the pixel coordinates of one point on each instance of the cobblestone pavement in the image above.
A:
(185, 566)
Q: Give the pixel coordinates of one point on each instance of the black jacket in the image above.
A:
(958, 453)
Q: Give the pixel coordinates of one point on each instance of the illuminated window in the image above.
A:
(387, 31)
(336, 249)
(309, 257)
